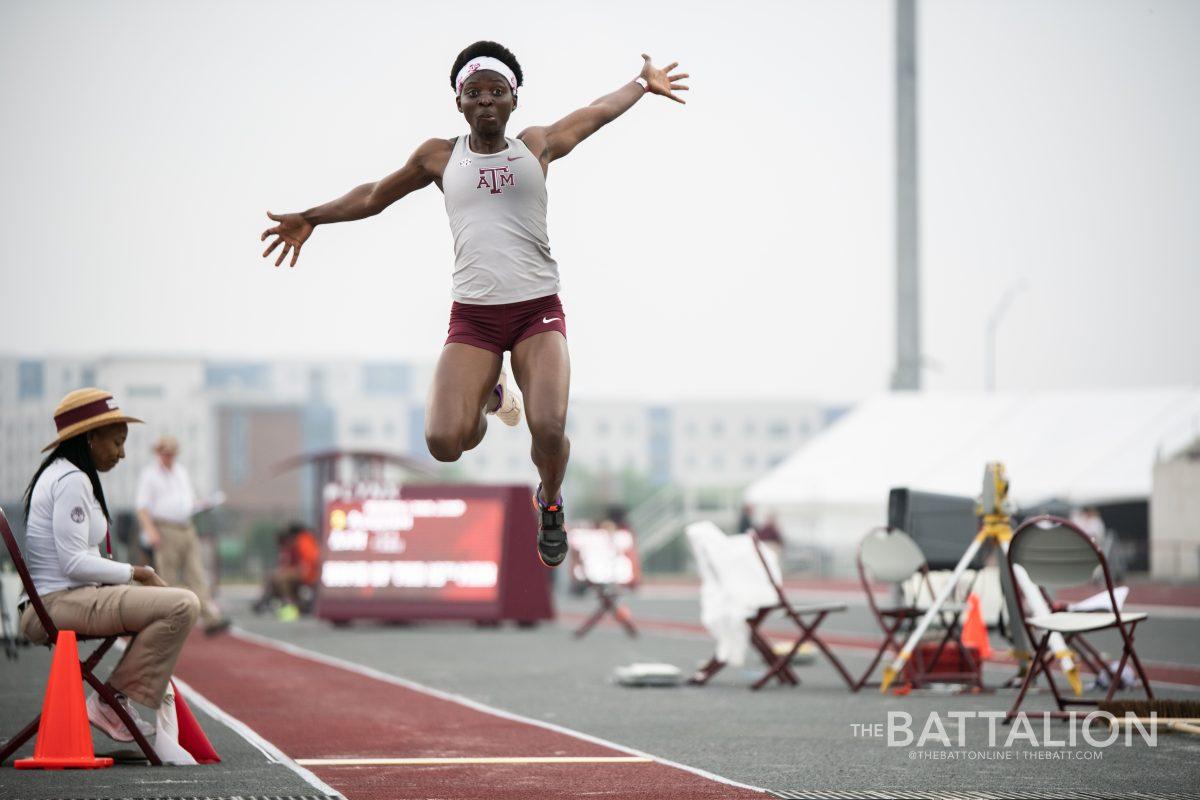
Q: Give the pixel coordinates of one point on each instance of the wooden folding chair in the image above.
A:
(86, 667)
(1055, 553)
(890, 555)
(780, 665)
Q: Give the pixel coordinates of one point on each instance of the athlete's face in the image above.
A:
(487, 102)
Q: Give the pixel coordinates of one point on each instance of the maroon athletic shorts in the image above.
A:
(501, 327)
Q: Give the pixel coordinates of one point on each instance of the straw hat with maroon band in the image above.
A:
(85, 410)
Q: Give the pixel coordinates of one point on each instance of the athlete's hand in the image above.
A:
(659, 81)
(292, 232)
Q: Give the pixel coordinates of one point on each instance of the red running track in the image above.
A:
(312, 709)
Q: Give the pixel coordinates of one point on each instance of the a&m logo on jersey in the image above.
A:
(494, 179)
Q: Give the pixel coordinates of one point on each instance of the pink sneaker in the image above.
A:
(105, 720)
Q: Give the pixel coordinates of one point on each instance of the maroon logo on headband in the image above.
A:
(77, 515)
(471, 70)
(494, 179)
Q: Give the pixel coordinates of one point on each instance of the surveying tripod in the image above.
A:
(996, 529)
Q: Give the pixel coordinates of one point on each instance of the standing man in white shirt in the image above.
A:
(165, 504)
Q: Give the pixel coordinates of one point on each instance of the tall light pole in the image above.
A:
(989, 344)
(907, 374)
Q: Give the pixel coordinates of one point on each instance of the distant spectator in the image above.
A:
(1088, 520)
(618, 515)
(165, 505)
(768, 534)
(769, 531)
(745, 520)
(298, 567)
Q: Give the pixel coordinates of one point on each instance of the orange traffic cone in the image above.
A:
(191, 735)
(974, 633)
(64, 739)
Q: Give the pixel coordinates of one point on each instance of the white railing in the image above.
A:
(662, 517)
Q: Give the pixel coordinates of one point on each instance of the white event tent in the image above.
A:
(1082, 446)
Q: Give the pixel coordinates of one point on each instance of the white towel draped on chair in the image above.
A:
(732, 587)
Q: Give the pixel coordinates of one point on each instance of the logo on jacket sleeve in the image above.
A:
(77, 515)
(494, 179)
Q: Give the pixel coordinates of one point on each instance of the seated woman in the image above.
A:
(296, 573)
(66, 519)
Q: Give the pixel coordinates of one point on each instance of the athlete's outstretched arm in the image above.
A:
(555, 141)
(423, 167)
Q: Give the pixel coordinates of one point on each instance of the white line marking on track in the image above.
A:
(272, 753)
(405, 762)
(369, 672)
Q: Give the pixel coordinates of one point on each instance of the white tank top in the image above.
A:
(497, 208)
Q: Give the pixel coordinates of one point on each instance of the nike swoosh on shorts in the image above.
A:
(548, 320)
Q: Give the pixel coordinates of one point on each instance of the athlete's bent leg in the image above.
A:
(542, 367)
(463, 385)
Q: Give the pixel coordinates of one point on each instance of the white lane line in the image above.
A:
(272, 753)
(333, 661)
(406, 762)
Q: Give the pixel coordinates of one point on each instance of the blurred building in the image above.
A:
(238, 421)
(692, 443)
(1175, 516)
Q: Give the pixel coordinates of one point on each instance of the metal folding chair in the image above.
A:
(731, 578)
(889, 555)
(779, 665)
(609, 604)
(595, 569)
(1055, 554)
(1088, 654)
(86, 667)
(603, 567)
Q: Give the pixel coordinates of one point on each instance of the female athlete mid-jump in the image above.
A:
(505, 282)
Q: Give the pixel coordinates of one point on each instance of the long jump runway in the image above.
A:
(372, 736)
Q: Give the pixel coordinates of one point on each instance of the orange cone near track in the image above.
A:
(191, 735)
(974, 633)
(64, 740)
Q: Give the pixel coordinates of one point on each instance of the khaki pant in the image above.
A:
(177, 560)
(159, 618)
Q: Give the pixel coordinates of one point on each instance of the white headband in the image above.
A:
(485, 62)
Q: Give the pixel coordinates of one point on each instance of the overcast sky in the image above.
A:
(739, 246)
